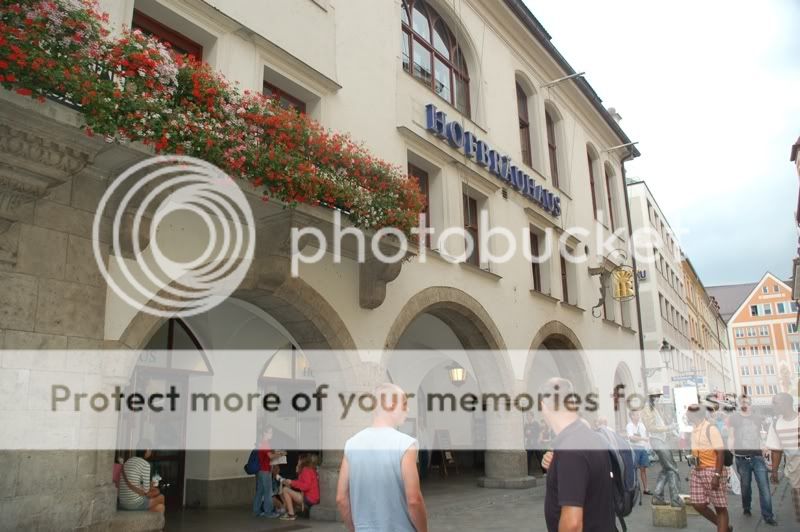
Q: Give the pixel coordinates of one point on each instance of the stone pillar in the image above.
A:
(506, 462)
(328, 479)
(506, 469)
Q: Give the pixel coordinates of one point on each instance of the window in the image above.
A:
(424, 186)
(552, 149)
(795, 346)
(564, 280)
(535, 265)
(285, 100)
(764, 330)
(751, 331)
(747, 390)
(773, 389)
(754, 351)
(524, 126)
(742, 351)
(791, 328)
(794, 306)
(180, 43)
(745, 371)
(765, 289)
(592, 183)
(754, 310)
(775, 288)
(432, 55)
(612, 199)
(759, 389)
(756, 370)
(739, 332)
(471, 228)
(767, 309)
(769, 369)
(781, 308)
(767, 349)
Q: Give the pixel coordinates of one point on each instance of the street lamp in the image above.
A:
(664, 351)
(458, 375)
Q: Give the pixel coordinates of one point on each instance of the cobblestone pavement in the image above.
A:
(458, 505)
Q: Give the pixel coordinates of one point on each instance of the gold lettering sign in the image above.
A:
(622, 279)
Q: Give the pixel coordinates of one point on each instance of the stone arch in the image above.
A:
(622, 376)
(570, 360)
(467, 318)
(305, 314)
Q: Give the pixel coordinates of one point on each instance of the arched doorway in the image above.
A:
(444, 344)
(295, 332)
(556, 351)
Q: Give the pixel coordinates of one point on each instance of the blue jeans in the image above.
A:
(263, 500)
(756, 466)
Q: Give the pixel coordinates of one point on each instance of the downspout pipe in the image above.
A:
(631, 154)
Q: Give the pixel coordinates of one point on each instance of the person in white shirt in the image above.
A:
(783, 439)
(637, 435)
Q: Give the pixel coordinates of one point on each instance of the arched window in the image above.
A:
(524, 126)
(432, 55)
(552, 147)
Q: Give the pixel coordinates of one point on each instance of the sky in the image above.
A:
(711, 90)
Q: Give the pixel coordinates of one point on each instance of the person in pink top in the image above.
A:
(304, 491)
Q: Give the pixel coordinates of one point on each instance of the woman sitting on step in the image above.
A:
(304, 491)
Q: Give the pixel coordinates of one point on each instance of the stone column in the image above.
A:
(328, 479)
(506, 462)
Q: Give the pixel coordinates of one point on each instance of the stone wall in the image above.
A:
(51, 297)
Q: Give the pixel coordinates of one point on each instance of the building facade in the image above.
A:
(709, 335)
(392, 74)
(662, 289)
(762, 332)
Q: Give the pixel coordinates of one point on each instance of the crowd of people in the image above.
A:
(379, 481)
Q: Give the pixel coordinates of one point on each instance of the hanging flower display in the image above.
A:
(135, 88)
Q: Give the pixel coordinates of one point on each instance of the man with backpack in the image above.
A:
(577, 496)
(708, 480)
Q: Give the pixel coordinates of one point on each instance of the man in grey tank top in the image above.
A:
(378, 487)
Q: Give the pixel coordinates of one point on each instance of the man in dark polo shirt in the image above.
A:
(579, 493)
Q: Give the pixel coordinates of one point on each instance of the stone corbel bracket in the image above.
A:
(38, 152)
(373, 276)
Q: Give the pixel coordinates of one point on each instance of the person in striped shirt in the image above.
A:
(136, 490)
(783, 439)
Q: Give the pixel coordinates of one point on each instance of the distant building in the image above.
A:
(665, 319)
(762, 332)
(708, 334)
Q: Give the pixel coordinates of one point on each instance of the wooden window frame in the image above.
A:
(592, 182)
(524, 126)
(536, 268)
(552, 147)
(424, 182)
(564, 280)
(426, 41)
(472, 228)
(610, 201)
(178, 41)
(278, 93)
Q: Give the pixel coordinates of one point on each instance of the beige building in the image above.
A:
(369, 69)
(709, 334)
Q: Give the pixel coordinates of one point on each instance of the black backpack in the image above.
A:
(727, 459)
(624, 480)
